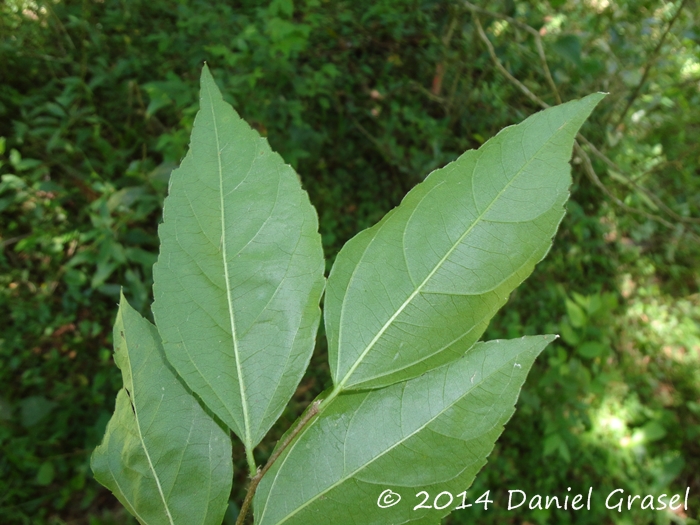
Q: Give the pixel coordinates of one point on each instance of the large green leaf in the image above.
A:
(418, 289)
(240, 271)
(162, 456)
(430, 433)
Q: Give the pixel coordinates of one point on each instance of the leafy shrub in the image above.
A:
(370, 97)
(237, 286)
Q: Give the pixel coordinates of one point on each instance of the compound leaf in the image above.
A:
(418, 289)
(430, 433)
(162, 456)
(240, 272)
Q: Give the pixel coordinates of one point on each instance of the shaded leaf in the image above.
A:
(569, 47)
(240, 271)
(653, 431)
(431, 433)
(6, 409)
(576, 314)
(162, 456)
(591, 349)
(35, 408)
(45, 474)
(418, 289)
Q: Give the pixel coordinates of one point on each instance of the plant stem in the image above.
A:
(503, 70)
(538, 42)
(252, 467)
(255, 480)
(587, 165)
(650, 63)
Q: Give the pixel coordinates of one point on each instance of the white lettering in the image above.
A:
(674, 499)
(552, 500)
(619, 503)
(661, 501)
(630, 500)
(510, 496)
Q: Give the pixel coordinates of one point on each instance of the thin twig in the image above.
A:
(255, 480)
(383, 150)
(49, 7)
(588, 166)
(418, 87)
(450, 31)
(676, 162)
(630, 182)
(476, 9)
(590, 172)
(545, 67)
(12, 240)
(502, 69)
(538, 42)
(650, 62)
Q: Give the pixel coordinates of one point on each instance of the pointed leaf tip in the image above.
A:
(159, 439)
(430, 433)
(239, 276)
(418, 289)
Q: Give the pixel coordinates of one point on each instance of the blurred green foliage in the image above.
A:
(364, 99)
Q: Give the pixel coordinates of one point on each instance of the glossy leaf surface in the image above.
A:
(430, 433)
(162, 456)
(418, 289)
(240, 271)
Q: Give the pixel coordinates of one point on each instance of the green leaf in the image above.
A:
(431, 433)
(578, 317)
(418, 289)
(45, 474)
(591, 349)
(653, 431)
(569, 47)
(35, 408)
(240, 271)
(162, 456)
(568, 334)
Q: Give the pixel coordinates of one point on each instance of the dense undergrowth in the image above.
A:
(364, 99)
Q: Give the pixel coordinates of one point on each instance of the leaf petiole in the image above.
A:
(255, 480)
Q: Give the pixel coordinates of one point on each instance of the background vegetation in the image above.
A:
(363, 98)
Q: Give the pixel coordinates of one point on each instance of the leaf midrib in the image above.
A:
(439, 264)
(131, 507)
(241, 386)
(389, 449)
(455, 340)
(141, 438)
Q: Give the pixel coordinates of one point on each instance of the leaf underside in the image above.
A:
(165, 459)
(430, 433)
(240, 272)
(417, 403)
(418, 289)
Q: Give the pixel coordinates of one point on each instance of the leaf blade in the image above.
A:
(152, 462)
(411, 435)
(240, 271)
(457, 245)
